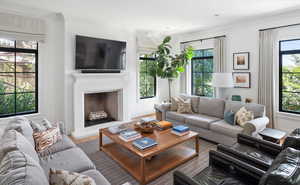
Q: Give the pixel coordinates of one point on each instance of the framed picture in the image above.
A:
(241, 61)
(242, 79)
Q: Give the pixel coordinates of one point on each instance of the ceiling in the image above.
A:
(160, 15)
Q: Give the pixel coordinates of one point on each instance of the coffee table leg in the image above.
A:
(100, 140)
(197, 144)
(142, 171)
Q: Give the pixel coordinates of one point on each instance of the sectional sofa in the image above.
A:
(30, 167)
(208, 118)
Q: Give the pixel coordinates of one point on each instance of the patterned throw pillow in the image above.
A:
(45, 139)
(242, 116)
(97, 115)
(62, 177)
(174, 103)
(185, 106)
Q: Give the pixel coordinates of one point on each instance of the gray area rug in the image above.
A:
(116, 175)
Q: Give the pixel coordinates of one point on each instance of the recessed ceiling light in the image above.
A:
(216, 15)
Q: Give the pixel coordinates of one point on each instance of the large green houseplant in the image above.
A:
(169, 66)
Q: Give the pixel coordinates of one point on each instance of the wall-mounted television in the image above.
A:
(99, 55)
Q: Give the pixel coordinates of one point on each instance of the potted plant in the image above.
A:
(168, 66)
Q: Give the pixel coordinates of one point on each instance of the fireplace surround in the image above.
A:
(86, 86)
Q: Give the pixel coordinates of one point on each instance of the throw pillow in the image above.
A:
(22, 125)
(13, 140)
(45, 139)
(242, 116)
(18, 168)
(62, 177)
(40, 126)
(184, 106)
(284, 169)
(174, 103)
(229, 117)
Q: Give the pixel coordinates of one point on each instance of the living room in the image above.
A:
(244, 55)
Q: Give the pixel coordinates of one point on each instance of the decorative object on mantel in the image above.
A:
(241, 61)
(242, 79)
(168, 66)
(97, 115)
(221, 81)
(248, 100)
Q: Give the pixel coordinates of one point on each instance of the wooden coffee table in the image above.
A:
(146, 165)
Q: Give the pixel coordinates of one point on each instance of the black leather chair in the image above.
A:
(227, 170)
(222, 170)
(257, 152)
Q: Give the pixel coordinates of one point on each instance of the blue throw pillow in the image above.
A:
(229, 117)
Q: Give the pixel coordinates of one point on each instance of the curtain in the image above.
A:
(220, 54)
(185, 77)
(18, 27)
(266, 72)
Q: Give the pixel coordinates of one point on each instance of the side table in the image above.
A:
(273, 135)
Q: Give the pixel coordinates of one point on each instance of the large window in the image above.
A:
(289, 76)
(147, 82)
(202, 69)
(18, 77)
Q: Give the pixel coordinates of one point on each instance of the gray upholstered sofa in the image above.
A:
(29, 167)
(208, 118)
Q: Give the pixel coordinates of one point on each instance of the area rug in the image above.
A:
(116, 175)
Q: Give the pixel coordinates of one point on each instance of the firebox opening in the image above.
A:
(100, 108)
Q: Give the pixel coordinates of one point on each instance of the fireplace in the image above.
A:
(100, 108)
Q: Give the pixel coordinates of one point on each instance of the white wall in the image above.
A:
(244, 37)
(74, 27)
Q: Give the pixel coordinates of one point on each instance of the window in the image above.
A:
(147, 82)
(289, 76)
(18, 77)
(202, 69)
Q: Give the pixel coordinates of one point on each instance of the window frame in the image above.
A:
(192, 71)
(147, 59)
(16, 50)
(280, 94)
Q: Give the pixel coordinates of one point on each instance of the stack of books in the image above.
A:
(164, 125)
(144, 143)
(180, 130)
(129, 135)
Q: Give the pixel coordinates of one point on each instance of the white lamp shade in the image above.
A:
(222, 80)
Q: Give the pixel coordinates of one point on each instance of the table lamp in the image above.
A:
(221, 81)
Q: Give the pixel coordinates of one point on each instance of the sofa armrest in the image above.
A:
(181, 179)
(163, 108)
(256, 125)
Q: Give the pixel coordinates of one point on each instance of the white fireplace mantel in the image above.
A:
(93, 83)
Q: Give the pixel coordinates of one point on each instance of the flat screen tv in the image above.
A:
(99, 55)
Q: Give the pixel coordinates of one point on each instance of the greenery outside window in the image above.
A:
(147, 82)
(289, 76)
(202, 70)
(18, 77)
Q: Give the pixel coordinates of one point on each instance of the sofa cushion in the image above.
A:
(64, 144)
(285, 169)
(13, 140)
(176, 116)
(211, 107)
(257, 109)
(22, 125)
(18, 168)
(224, 128)
(73, 159)
(200, 120)
(97, 176)
(194, 101)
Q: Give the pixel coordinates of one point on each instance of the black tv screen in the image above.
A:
(99, 54)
